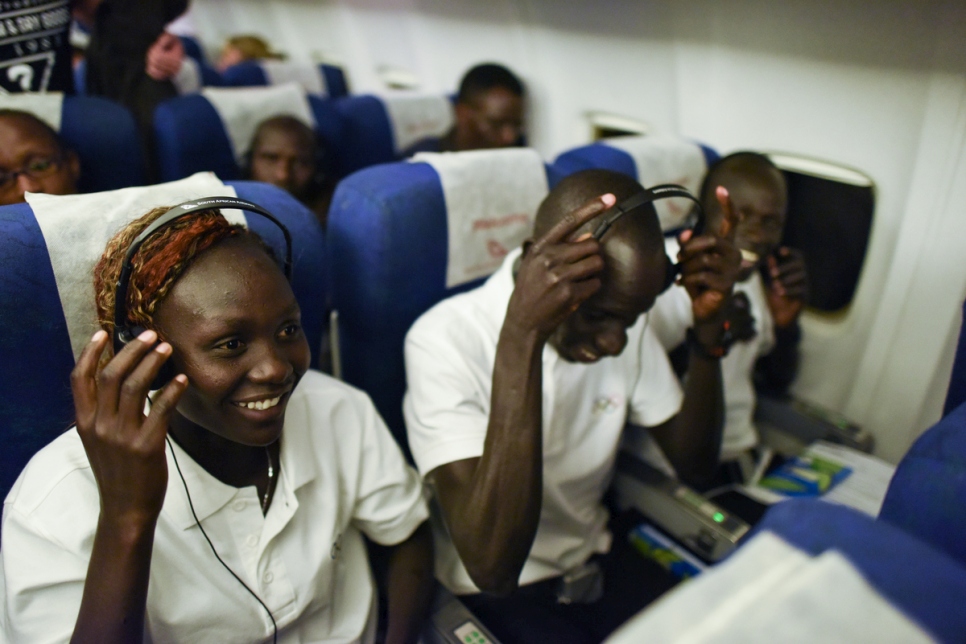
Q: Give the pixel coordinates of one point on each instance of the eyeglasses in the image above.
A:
(35, 168)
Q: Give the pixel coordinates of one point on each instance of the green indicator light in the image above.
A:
(718, 517)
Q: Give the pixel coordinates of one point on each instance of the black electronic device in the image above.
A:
(635, 201)
(123, 332)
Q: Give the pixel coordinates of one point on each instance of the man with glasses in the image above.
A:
(489, 113)
(33, 159)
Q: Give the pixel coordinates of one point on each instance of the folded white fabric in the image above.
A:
(188, 78)
(242, 109)
(47, 106)
(309, 77)
(661, 158)
(491, 198)
(769, 591)
(413, 117)
(76, 229)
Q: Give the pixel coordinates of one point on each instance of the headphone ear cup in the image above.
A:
(124, 335)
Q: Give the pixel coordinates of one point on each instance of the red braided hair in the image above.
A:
(159, 262)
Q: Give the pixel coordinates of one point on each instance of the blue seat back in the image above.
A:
(606, 157)
(927, 494)
(105, 137)
(35, 396)
(387, 247)
(366, 138)
(250, 73)
(191, 137)
(922, 582)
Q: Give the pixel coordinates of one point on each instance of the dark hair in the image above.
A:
(742, 161)
(484, 77)
(43, 125)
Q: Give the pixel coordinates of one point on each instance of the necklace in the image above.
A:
(271, 477)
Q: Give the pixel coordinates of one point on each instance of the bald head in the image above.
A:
(741, 168)
(285, 153)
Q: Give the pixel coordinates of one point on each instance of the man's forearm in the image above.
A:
(494, 525)
(696, 436)
(410, 586)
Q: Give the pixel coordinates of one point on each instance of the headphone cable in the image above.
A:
(212, 546)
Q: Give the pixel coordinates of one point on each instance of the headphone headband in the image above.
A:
(654, 193)
(181, 210)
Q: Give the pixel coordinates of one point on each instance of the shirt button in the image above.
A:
(252, 540)
(238, 506)
(268, 578)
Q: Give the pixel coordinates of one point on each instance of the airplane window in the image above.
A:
(604, 125)
(830, 209)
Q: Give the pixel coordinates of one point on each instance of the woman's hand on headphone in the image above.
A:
(126, 449)
(710, 263)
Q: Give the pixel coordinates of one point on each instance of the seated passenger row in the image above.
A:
(399, 232)
(319, 142)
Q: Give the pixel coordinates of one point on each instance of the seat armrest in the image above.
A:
(452, 622)
(807, 423)
(708, 530)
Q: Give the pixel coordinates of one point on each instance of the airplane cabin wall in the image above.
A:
(876, 85)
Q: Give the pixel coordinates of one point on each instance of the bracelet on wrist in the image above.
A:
(716, 352)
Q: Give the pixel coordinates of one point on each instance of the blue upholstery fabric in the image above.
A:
(366, 137)
(250, 73)
(192, 48)
(35, 396)
(191, 137)
(387, 248)
(956, 394)
(924, 583)
(105, 137)
(601, 155)
(927, 494)
(80, 78)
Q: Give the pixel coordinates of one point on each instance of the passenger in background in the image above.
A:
(769, 297)
(489, 113)
(519, 392)
(33, 158)
(287, 153)
(238, 49)
(131, 59)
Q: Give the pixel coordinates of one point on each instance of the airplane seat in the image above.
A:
(815, 571)
(192, 48)
(102, 133)
(80, 77)
(392, 255)
(378, 129)
(391, 259)
(652, 160)
(326, 80)
(105, 137)
(41, 325)
(192, 137)
(927, 493)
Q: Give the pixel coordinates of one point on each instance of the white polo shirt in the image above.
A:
(341, 475)
(671, 317)
(450, 352)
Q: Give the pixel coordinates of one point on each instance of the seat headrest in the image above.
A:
(491, 199)
(413, 117)
(242, 109)
(653, 159)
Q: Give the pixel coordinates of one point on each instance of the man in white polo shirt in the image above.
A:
(519, 392)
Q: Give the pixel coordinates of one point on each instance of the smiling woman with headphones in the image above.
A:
(229, 505)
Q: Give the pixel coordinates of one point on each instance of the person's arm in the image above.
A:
(491, 504)
(691, 440)
(410, 584)
(126, 451)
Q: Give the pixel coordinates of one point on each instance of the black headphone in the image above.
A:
(635, 201)
(123, 333)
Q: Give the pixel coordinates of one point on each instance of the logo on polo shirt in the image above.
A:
(607, 404)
